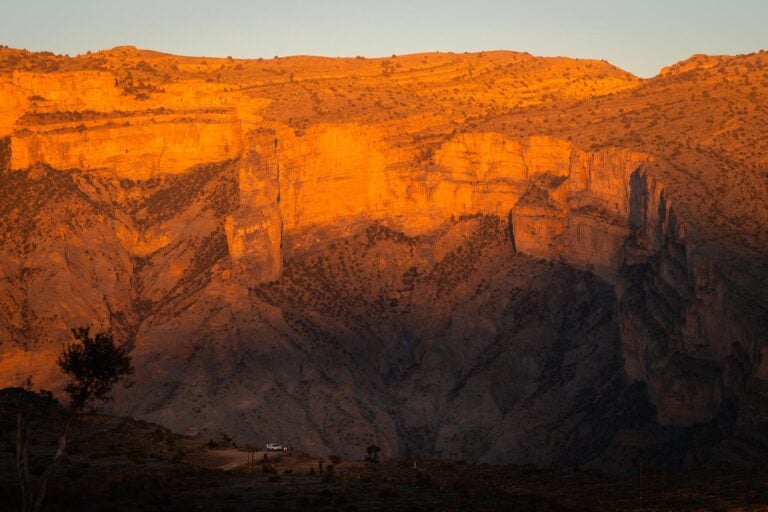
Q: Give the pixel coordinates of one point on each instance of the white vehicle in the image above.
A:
(274, 447)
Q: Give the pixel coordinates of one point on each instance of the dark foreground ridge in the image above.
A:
(119, 464)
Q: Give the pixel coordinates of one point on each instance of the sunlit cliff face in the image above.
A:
(376, 247)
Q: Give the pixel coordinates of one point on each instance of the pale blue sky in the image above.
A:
(639, 36)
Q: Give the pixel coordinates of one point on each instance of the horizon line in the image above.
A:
(393, 55)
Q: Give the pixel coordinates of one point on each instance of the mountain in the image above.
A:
(491, 256)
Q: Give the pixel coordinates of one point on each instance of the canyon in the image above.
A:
(494, 256)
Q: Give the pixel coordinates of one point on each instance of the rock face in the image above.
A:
(684, 324)
(577, 204)
(338, 252)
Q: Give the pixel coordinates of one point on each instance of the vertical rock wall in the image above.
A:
(695, 335)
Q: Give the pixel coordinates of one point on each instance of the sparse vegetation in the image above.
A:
(93, 364)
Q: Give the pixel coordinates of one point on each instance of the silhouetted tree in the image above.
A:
(94, 365)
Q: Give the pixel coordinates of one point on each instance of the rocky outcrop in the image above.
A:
(564, 203)
(138, 147)
(577, 205)
(697, 342)
(255, 228)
